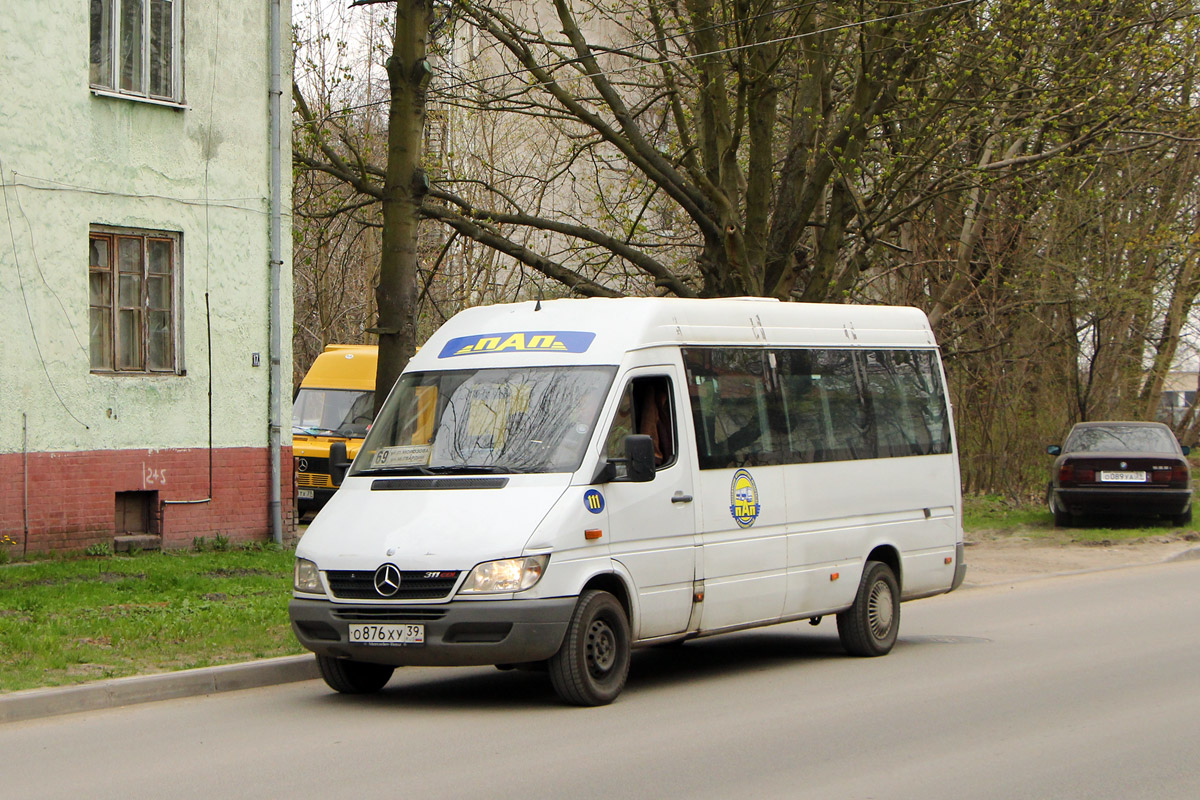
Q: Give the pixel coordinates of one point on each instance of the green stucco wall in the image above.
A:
(69, 159)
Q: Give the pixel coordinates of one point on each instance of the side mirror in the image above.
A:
(639, 458)
(339, 462)
(1054, 450)
(1186, 449)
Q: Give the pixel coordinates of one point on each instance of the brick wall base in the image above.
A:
(68, 501)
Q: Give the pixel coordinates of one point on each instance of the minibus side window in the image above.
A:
(645, 407)
(754, 407)
(736, 408)
(807, 409)
(844, 400)
(897, 403)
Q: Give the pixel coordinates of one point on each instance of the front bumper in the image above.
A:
(460, 633)
(317, 501)
(1123, 501)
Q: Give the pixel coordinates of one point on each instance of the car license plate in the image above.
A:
(387, 634)
(1113, 476)
(305, 494)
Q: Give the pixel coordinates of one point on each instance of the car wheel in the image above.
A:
(353, 677)
(869, 627)
(1183, 519)
(592, 664)
(1062, 519)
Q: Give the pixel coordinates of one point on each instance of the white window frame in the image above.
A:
(110, 84)
(144, 307)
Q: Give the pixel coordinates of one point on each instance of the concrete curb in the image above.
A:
(1186, 555)
(36, 703)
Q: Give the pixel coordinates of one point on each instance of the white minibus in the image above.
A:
(552, 484)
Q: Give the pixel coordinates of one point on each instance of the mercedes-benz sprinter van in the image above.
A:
(553, 484)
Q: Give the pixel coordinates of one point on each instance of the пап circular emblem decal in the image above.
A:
(743, 495)
(593, 501)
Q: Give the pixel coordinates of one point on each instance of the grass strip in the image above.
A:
(70, 620)
(1000, 516)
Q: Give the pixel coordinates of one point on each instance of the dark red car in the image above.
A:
(1120, 469)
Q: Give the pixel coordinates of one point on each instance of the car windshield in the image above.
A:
(332, 412)
(1118, 438)
(527, 419)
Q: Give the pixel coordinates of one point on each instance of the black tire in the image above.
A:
(869, 627)
(1062, 517)
(1183, 519)
(592, 664)
(353, 677)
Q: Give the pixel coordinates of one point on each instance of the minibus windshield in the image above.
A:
(332, 412)
(526, 419)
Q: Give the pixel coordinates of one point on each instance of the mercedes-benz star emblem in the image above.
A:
(387, 580)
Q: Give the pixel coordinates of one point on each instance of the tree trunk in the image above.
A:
(404, 186)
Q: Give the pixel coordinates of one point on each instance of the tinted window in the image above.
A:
(736, 409)
(754, 406)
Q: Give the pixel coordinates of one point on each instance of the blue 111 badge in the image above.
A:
(743, 495)
(593, 501)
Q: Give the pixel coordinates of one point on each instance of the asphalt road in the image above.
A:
(1075, 687)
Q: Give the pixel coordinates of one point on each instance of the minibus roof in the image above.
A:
(343, 366)
(602, 330)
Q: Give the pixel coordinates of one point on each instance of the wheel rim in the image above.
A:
(880, 610)
(601, 651)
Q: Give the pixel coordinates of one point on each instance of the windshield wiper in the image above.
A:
(489, 469)
(313, 431)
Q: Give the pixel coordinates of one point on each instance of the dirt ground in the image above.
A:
(998, 558)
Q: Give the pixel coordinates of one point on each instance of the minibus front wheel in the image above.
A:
(353, 677)
(592, 664)
(869, 627)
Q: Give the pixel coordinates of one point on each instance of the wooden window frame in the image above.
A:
(106, 42)
(109, 306)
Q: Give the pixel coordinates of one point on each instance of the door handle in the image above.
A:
(680, 497)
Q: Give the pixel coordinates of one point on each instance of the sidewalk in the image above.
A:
(988, 565)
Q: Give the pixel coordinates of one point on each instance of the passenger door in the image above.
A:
(653, 524)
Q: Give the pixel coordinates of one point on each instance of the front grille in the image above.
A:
(414, 585)
(381, 614)
(314, 480)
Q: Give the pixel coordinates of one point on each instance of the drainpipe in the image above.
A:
(276, 236)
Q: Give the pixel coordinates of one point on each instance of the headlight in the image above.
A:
(509, 575)
(308, 577)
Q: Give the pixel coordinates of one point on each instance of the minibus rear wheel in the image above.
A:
(869, 627)
(353, 677)
(592, 664)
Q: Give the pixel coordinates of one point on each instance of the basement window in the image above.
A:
(135, 513)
